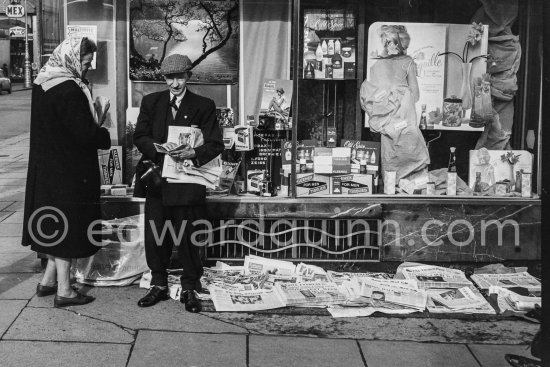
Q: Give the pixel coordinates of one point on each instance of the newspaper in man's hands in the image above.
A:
(163, 148)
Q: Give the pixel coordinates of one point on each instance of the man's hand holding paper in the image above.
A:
(182, 153)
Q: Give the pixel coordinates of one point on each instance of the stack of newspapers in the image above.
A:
(310, 294)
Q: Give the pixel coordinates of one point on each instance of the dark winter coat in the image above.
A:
(63, 176)
(155, 116)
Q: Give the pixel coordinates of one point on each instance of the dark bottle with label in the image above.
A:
(477, 184)
(452, 160)
(309, 72)
(423, 118)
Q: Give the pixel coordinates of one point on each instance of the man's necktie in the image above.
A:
(173, 103)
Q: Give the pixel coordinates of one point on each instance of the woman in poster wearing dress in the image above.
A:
(389, 98)
(277, 104)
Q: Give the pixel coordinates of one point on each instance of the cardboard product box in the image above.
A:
(368, 150)
(253, 179)
(349, 70)
(351, 185)
(332, 160)
(311, 184)
(331, 137)
(244, 139)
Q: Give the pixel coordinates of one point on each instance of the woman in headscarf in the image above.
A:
(63, 181)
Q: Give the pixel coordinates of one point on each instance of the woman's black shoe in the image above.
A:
(79, 299)
(192, 304)
(153, 296)
(44, 290)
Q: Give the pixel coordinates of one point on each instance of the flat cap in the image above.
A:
(176, 63)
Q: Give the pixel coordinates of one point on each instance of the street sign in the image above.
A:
(17, 32)
(15, 11)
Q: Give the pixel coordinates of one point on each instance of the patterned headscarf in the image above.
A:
(63, 65)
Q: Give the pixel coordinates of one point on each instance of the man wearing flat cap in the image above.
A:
(176, 204)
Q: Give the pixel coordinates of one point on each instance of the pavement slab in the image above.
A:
(119, 304)
(5, 204)
(19, 262)
(10, 311)
(266, 351)
(12, 244)
(188, 349)
(14, 218)
(387, 328)
(18, 285)
(65, 324)
(55, 354)
(381, 353)
(493, 355)
(11, 229)
(16, 206)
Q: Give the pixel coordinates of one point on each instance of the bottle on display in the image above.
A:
(373, 158)
(330, 47)
(452, 160)
(337, 47)
(302, 161)
(423, 118)
(309, 71)
(337, 61)
(477, 184)
(324, 47)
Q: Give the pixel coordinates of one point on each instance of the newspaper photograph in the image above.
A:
(260, 265)
(311, 273)
(524, 279)
(226, 300)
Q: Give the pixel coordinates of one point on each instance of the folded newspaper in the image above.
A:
(515, 299)
(524, 279)
(260, 265)
(457, 299)
(235, 301)
(310, 294)
(340, 277)
(479, 308)
(185, 171)
(431, 276)
(399, 292)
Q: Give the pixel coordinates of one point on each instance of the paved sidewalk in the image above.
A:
(113, 331)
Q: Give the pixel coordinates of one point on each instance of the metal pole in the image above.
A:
(27, 56)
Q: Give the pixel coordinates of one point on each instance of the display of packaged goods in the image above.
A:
(365, 153)
(507, 280)
(351, 185)
(253, 179)
(498, 165)
(244, 138)
(312, 184)
(332, 160)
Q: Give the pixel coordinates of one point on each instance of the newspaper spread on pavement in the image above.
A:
(395, 291)
(238, 301)
(508, 280)
(436, 307)
(310, 294)
(259, 265)
(340, 277)
(515, 299)
(431, 276)
(458, 299)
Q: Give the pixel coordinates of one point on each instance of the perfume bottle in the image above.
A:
(423, 120)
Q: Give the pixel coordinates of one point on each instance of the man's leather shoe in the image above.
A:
(153, 296)
(192, 304)
(79, 299)
(45, 290)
